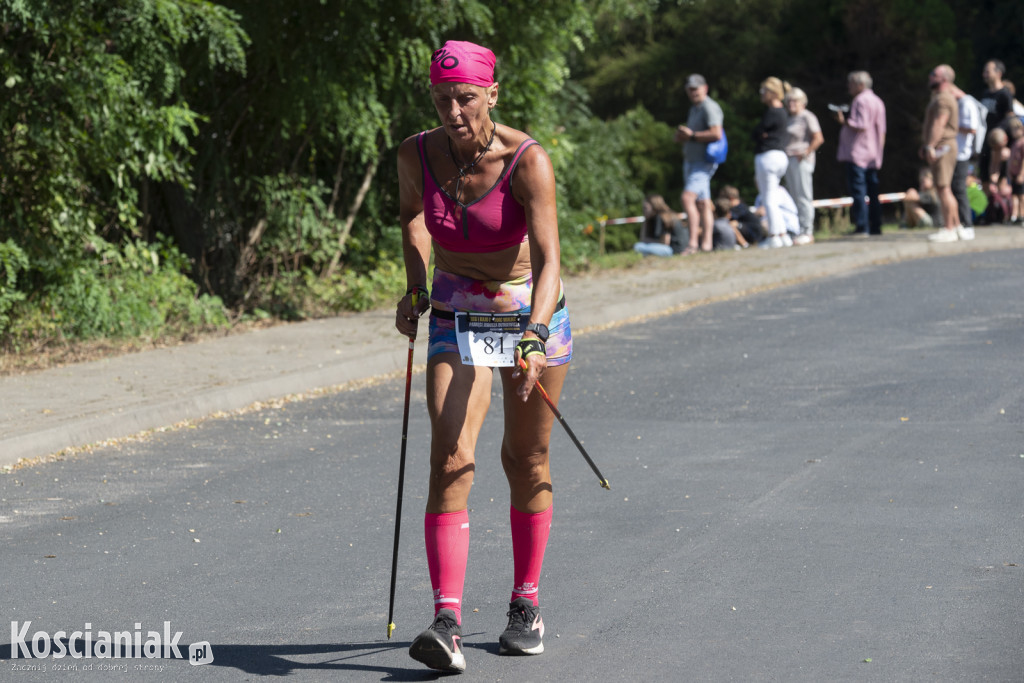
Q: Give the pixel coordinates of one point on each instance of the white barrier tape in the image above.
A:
(840, 202)
(635, 219)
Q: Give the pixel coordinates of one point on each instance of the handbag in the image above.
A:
(717, 151)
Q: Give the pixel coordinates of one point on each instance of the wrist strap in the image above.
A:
(530, 347)
(417, 288)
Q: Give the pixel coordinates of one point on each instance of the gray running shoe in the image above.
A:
(440, 646)
(525, 630)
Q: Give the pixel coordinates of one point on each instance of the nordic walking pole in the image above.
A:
(401, 477)
(583, 451)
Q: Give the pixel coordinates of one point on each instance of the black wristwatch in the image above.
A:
(539, 329)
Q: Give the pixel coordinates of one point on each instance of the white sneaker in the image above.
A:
(787, 241)
(773, 242)
(943, 235)
(965, 233)
(803, 239)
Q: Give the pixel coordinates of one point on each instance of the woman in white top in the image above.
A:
(804, 139)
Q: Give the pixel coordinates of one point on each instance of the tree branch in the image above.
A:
(368, 174)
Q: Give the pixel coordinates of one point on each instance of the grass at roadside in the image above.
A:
(56, 352)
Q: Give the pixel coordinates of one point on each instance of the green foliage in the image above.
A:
(136, 291)
(12, 261)
(303, 294)
(91, 110)
(259, 137)
(91, 117)
(301, 227)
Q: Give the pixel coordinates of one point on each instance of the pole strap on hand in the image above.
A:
(419, 290)
(530, 347)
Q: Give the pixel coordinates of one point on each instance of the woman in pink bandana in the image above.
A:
(482, 196)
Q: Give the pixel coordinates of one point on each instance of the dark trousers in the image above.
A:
(867, 217)
(959, 187)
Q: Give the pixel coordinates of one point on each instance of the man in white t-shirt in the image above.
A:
(970, 121)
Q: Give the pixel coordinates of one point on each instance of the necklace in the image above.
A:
(463, 170)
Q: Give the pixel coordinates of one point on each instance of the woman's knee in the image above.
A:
(528, 463)
(451, 469)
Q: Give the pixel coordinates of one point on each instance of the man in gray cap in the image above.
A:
(703, 125)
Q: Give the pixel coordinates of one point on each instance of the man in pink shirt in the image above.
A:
(861, 141)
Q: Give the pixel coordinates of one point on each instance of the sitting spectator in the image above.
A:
(921, 207)
(999, 153)
(999, 203)
(726, 236)
(748, 225)
(662, 231)
(1015, 170)
(976, 197)
(787, 212)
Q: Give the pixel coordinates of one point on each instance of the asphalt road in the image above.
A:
(817, 483)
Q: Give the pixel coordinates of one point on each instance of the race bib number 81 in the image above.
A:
(488, 339)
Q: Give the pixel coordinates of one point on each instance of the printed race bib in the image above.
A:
(488, 339)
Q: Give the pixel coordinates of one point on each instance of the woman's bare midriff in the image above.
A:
(504, 265)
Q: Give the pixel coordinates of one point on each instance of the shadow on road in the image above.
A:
(279, 660)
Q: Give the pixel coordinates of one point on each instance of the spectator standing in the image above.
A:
(662, 231)
(967, 132)
(999, 102)
(997, 98)
(941, 122)
(804, 139)
(703, 125)
(1015, 170)
(770, 159)
(861, 145)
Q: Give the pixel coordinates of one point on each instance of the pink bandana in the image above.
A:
(462, 62)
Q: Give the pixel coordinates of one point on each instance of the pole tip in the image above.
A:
(391, 627)
(605, 484)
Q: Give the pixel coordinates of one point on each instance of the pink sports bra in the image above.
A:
(492, 222)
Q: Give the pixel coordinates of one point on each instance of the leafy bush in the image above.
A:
(12, 261)
(604, 169)
(137, 291)
(304, 294)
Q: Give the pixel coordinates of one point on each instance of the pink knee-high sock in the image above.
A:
(447, 539)
(529, 539)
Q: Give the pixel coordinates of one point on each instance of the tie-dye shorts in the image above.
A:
(452, 292)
